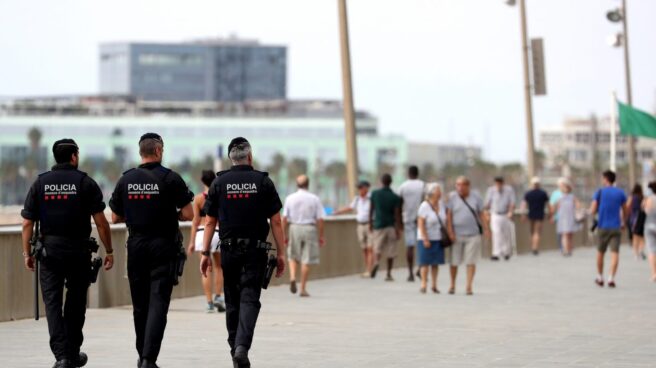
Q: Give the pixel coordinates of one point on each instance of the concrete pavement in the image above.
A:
(529, 312)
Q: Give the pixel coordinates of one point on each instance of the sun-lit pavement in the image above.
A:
(530, 312)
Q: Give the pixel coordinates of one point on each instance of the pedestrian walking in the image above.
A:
(244, 201)
(649, 206)
(567, 208)
(196, 245)
(303, 221)
(361, 204)
(411, 192)
(636, 222)
(553, 199)
(500, 202)
(431, 219)
(535, 201)
(62, 202)
(466, 224)
(151, 199)
(385, 224)
(609, 202)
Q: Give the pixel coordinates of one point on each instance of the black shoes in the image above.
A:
(374, 271)
(82, 360)
(240, 359)
(145, 363)
(494, 258)
(506, 258)
(64, 363)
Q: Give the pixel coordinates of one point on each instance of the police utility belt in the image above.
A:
(238, 243)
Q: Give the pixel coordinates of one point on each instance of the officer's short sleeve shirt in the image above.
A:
(272, 202)
(116, 201)
(182, 196)
(91, 193)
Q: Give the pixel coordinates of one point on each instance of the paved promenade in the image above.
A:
(530, 312)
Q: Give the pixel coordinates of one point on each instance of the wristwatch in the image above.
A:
(206, 253)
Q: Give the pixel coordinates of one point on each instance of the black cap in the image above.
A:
(363, 183)
(154, 136)
(235, 142)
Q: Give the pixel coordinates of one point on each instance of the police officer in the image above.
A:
(242, 200)
(151, 199)
(63, 201)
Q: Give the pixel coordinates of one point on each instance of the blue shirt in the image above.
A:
(609, 200)
(555, 197)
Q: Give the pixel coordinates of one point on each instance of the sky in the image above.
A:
(432, 70)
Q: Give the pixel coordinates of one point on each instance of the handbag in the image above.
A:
(446, 240)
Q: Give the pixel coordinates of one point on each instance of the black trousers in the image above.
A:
(243, 273)
(65, 320)
(150, 263)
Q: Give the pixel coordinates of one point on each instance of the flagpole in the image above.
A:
(613, 130)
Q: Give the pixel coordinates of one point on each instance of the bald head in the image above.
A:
(303, 182)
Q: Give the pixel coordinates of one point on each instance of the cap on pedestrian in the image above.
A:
(363, 183)
(235, 142)
(154, 136)
(535, 180)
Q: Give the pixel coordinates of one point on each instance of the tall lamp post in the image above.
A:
(528, 102)
(349, 110)
(622, 39)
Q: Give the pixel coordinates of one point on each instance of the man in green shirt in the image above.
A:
(385, 223)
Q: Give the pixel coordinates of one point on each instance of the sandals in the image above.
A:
(422, 290)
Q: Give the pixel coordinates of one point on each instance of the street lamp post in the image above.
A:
(349, 110)
(528, 101)
(616, 16)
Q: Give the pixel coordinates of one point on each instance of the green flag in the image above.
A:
(635, 122)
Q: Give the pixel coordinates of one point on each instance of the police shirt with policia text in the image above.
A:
(243, 200)
(63, 200)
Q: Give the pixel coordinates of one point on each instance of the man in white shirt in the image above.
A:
(304, 214)
(500, 201)
(361, 204)
(411, 192)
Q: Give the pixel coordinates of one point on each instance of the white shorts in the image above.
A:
(214, 246)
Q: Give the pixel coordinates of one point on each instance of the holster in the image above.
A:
(177, 268)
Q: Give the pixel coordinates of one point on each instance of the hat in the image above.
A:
(154, 136)
(363, 183)
(235, 142)
(535, 180)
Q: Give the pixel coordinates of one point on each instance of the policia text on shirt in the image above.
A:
(242, 201)
(151, 199)
(62, 201)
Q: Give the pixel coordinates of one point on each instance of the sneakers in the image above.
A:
(494, 258)
(536, 252)
(219, 303)
(209, 308)
(411, 278)
(389, 278)
(240, 359)
(292, 287)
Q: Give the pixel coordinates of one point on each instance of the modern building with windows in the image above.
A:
(585, 143)
(229, 70)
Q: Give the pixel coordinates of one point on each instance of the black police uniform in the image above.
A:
(242, 200)
(63, 200)
(149, 197)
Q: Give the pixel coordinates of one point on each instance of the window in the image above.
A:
(170, 59)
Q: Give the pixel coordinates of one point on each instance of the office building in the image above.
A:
(228, 70)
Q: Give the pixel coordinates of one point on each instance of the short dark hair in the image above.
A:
(413, 172)
(363, 183)
(63, 149)
(610, 176)
(652, 186)
(498, 179)
(386, 179)
(148, 146)
(207, 177)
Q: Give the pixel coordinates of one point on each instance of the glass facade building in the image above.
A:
(226, 71)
